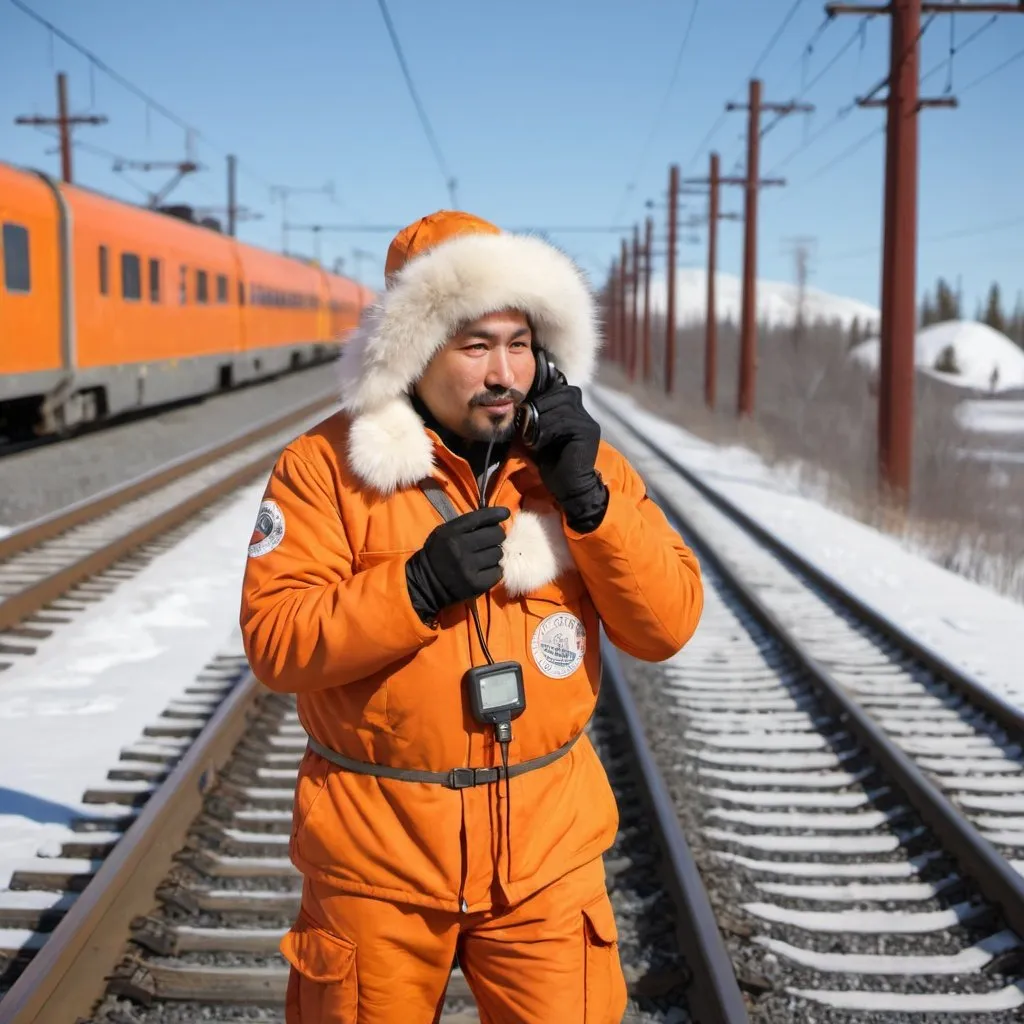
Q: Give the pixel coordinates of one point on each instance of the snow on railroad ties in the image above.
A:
(974, 628)
(94, 685)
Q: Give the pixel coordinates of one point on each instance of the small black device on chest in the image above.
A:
(497, 695)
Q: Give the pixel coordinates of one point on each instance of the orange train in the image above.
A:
(107, 307)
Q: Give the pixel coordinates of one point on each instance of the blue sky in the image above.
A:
(544, 110)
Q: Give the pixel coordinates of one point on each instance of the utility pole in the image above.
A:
(670, 277)
(634, 330)
(623, 273)
(801, 250)
(64, 122)
(648, 243)
(609, 311)
(714, 181)
(284, 191)
(711, 316)
(752, 185)
(232, 202)
(899, 245)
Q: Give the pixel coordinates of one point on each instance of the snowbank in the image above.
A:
(978, 351)
(777, 301)
(986, 416)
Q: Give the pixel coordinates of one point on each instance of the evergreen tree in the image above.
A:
(927, 314)
(947, 304)
(994, 311)
(1016, 328)
(856, 335)
(946, 361)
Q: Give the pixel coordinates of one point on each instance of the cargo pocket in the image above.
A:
(605, 986)
(323, 986)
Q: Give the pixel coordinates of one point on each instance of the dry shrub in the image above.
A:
(816, 418)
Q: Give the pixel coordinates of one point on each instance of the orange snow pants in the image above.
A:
(552, 957)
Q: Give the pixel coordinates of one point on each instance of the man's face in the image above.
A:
(476, 382)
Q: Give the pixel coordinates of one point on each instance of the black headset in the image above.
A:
(545, 376)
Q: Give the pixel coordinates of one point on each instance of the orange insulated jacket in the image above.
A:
(326, 613)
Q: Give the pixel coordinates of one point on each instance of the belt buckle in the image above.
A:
(462, 778)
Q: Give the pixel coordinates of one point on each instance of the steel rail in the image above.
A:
(996, 879)
(713, 992)
(46, 527)
(69, 974)
(1005, 714)
(15, 608)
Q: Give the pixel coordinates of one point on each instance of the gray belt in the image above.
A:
(454, 778)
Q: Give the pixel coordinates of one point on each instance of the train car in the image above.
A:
(36, 334)
(284, 320)
(107, 307)
(346, 301)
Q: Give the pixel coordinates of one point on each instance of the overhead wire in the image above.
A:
(765, 53)
(955, 49)
(424, 120)
(151, 102)
(988, 74)
(841, 115)
(836, 57)
(656, 123)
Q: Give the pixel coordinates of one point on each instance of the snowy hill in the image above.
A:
(977, 348)
(777, 301)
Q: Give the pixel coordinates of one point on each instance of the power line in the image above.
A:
(769, 47)
(844, 155)
(150, 102)
(954, 49)
(945, 236)
(988, 74)
(641, 162)
(424, 120)
(843, 113)
(821, 74)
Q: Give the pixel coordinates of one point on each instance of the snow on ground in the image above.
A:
(777, 301)
(66, 712)
(972, 627)
(980, 351)
(992, 416)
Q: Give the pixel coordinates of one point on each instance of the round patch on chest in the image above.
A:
(268, 531)
(558, 644)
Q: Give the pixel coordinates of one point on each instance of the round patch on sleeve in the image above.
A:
(558, 644)
(269, 529)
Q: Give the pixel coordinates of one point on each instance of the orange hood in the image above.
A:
(442, 271)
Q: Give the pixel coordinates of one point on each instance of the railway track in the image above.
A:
(854, 801)
(182, 920)
(74, 553)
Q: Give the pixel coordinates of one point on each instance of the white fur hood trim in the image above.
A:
(425, 304)
(457, 281)
(534, 553)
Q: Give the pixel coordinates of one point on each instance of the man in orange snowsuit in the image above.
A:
(375, 581)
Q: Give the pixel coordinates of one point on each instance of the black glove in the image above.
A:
(565, 453)
(459, 560)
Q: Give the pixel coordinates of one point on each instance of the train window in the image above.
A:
(104, 271)
(241, 294)
(154, 280)
(222, 288)
(131, 276)
(202, 293)
(182, 285)
(17, 271)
